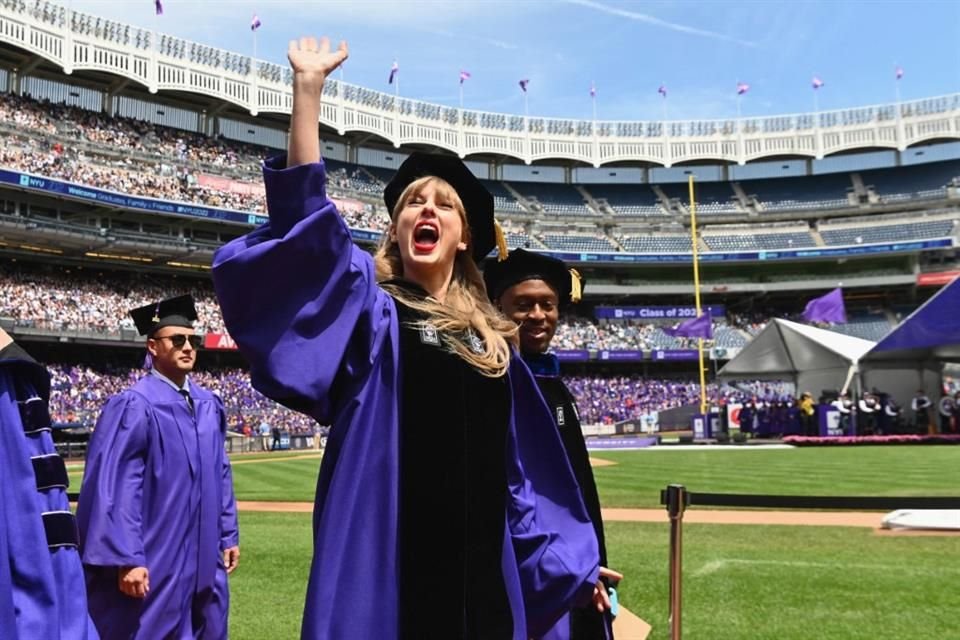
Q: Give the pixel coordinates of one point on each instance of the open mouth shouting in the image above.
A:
(426, 235)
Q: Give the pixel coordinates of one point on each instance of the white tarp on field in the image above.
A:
(939, 519)
(814, 359)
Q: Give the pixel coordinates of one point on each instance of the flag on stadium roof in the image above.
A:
(255, 22)
(899, 72)
(394, 70)
(593, 90)
(816, 82)
(464, 75)
(523, 84)
(699, 327)
(827, 308)
(662, 90)
(158, 6)
(742, 88)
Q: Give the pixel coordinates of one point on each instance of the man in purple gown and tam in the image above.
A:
(157, 515)
(42, 593)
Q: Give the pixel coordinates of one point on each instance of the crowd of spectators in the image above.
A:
(139, 158)
(78, 393)
(85, 300)
(611, 399)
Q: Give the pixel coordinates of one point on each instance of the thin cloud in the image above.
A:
(657, 22)
(499, 44)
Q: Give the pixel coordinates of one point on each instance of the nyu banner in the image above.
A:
(657, 312)
(678, 354)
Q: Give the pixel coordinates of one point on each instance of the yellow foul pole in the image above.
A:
(696, 292)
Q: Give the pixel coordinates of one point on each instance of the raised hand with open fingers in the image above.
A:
(309, 57)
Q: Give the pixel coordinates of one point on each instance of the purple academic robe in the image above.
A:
(302, 302)
(42, 593)
(157, 492)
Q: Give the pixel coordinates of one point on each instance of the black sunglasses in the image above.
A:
(180, 339)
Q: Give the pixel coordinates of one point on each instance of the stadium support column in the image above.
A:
(68, 40)
(254, 80)
(153, 68)
(527, 143)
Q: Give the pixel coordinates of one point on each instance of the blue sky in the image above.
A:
(698, 49)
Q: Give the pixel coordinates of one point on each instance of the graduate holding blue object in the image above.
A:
(531, 289)
(42, 592)
(439, 497)
(157, 516)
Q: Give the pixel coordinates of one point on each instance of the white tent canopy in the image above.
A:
(814, 359)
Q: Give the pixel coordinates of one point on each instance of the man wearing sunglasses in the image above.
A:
(157, 516)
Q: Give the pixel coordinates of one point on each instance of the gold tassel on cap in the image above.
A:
(501, 242)
(576, 286)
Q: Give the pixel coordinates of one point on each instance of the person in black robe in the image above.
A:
(530, 289)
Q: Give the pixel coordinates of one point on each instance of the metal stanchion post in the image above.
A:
(676, 500)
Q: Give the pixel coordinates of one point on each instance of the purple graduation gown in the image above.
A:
(302, 302)
(42, 592)
(157, 492)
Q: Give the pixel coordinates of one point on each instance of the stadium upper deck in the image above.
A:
(200, 121)
(77, 42)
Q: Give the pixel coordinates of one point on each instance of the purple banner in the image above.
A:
(677, 354)
(578, 355)
(620, 356)
(657, 313)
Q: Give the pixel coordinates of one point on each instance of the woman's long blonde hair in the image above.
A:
(466, 305)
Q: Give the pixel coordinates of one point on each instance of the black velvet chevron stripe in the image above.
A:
(61, 529)
(34, 415)
(51, 472)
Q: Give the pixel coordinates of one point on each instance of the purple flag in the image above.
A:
(464, 75)
(742, 88)
(826, 308)
(394, 70)
(255, 22)
(899, 72)
(524, 83)
(593, 90)
(699, 327)
(158, 5)
(662, 90)
(816, 82)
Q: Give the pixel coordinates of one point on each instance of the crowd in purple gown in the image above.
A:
(611, 399)
(78, 393)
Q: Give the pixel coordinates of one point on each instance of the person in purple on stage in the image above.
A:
(157, 516)
(440, 509)
(530, 289)
(42, 592)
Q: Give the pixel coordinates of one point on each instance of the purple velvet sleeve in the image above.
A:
(553, 538)
(299, 298)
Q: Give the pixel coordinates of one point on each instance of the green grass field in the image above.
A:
(740, 582)
(786, 583)
(638, 476)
